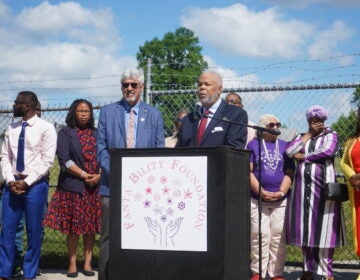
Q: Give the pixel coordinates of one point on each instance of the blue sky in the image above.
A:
(53, 47)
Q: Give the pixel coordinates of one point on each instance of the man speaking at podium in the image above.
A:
(214, 123)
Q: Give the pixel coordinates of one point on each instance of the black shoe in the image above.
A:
(16, 272)
(72, 274)
(89, 273)
(38, 272)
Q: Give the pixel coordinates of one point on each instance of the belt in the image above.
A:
(20, 176)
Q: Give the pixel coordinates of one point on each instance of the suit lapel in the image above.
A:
(74, 139)
(195, 126)
(143, 114)
(120, 111)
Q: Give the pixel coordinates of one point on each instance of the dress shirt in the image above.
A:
(127, 115)
(212, 110)
(39, 153)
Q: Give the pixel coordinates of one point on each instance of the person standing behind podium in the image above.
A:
(27, 154)
(232, 98)
(213, 130)
(128, 123)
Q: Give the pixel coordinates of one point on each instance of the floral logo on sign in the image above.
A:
(166, 202)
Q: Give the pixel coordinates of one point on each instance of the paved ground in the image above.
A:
(291, 273)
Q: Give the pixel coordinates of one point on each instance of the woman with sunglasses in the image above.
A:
(269, 160)
(314, 223)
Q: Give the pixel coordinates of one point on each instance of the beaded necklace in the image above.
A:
(273, 161)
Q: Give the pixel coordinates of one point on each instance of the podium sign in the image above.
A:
(163, 203)
(179, 214)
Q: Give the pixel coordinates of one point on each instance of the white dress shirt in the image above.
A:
(39, 152)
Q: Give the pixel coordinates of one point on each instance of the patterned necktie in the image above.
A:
(130, 133)
(20, 165)
(202, 127)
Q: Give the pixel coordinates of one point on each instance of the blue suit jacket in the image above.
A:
(111, 133)
(218, 132)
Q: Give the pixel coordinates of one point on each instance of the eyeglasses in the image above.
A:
(83, 111)
(17, 102)
(272, 125)
(126, 85)
(232, 101)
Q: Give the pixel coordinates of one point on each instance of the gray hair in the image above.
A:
(218, 77)
(133, 74)
(265, 119)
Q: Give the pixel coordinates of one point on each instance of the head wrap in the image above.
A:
(317, 112)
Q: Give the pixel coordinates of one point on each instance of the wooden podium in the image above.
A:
(222, 253)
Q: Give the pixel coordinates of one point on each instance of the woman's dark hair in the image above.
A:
(71, 115)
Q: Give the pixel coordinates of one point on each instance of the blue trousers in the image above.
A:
(14, 206)
(19, 237)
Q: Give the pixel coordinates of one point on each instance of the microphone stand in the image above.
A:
(258, 128)
(259, 134)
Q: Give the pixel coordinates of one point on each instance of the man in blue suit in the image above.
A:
(128, 123)
(216, 128)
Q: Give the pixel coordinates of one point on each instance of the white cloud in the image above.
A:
(43, 44)
(236, 30)
(69, 21)
(230, 78)
(326, 42)
(306, 3)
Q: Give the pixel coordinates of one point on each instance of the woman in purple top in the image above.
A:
(314, 223)
(277, 171)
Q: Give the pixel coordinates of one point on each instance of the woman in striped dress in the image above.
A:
(314, 223)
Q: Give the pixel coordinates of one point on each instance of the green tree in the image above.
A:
(176, 63)
(345, 126)
(176, 59)
(356, 97)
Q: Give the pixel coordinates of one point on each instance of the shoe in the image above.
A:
(72, 274)
(16, 272)
(277, 278)
(38, 272)
(328, 278)
(89, 273)
(307, 275)
(256, 276)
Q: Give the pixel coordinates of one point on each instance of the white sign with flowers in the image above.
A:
(164, 203)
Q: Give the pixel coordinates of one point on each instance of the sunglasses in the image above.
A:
(126, 85)
(272, 125)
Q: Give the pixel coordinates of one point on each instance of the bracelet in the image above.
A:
(82, 174)
(282, 194)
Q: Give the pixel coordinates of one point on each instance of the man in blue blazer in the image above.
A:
(216, 129)
(128, 123)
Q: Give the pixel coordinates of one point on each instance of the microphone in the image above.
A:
(196, 114)
(258, 128)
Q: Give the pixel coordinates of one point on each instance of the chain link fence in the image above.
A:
(288, 105)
